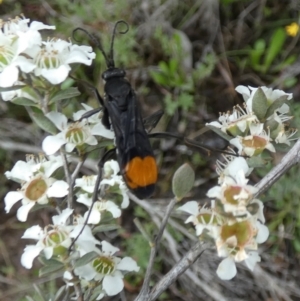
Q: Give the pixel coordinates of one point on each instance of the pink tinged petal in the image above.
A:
(34, 232)
(30, 253)
(62, 218)
(52, 144)
(58, 119)
(100, 130)
(128, 264)
(11, 198)
(226, 269)
(23, 211)
(107, 248)
(190, 207)
(58, 189)
(9, 76)
(48, 251)
(252, 259)
(112, 285)
(263, 233)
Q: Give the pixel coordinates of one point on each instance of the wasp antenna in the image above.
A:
(95, 40)
(113, 39)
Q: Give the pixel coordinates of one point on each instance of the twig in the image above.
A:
(143, 295)
(189, 258)
(289, 160)
(68, 178)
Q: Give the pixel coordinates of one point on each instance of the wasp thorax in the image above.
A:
(113, 72)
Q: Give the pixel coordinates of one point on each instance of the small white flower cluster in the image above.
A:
(235, 219)
(22, 51)
(39, 186)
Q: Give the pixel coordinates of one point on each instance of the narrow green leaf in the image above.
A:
(183, 181)
(23, 101)
(65, 94)
(219, 132)
(59, 293)
(104, 228)
(257, 52)
(85, 259)
(42, 121)
(260, 104)
(275, 47)
(276, 105)
(51, 268)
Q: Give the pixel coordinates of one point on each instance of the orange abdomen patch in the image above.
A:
(141, 172)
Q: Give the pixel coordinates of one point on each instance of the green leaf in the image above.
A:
(260, 104)
(65, 94)
(104, 228)
(219, 132)
(186, 101)
(42, 121)
(159, 78)
(23, 101)
(257, 52)
(276, 44)
(257, 161)
(164, 67)
(171, 105)
(85, 259)
(183, 181)
(276, 105)
(52, 266)
(271, 124)
(58, 295)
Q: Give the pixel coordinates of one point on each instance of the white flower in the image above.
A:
(86, 183)
(37, 185)
(254, 144)
(231, 166)
(15, 38)
(53, 58)
(72, 135)
(52, 239)
(202, 218)
(99, 207)
(271, 95)
(112, 178)
(108, 269)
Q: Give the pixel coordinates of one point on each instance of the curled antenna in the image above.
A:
(109, 59)
(113, 39)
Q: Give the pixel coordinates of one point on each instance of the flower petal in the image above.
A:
(112, 285)
(11, 198)
(58, 189)
(34, 232)
(226, 269)
(30, 253)
(23, 211)
(190, 207)
(107, 248)
(52, 144)
(128, 264)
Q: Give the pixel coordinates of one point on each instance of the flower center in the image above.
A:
(76, 134)
(48, 59)
(104, 265)
(36, 189)
(6, 56)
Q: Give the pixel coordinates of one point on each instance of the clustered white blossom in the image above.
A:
(70, 237)
(22, 50)
(235, 219)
